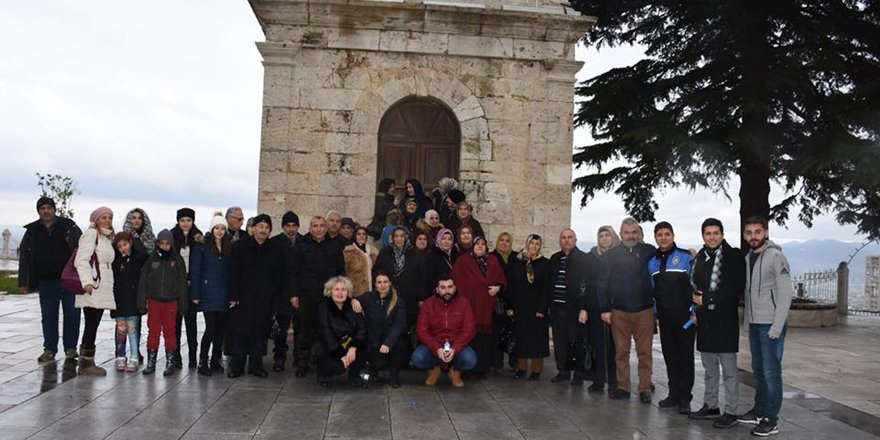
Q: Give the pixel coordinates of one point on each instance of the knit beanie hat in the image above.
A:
(186, 212)
(45, 201)
(456, 196)
(218, 219)
(289, 217)
(165, 235)
(96, 214)
(263, 218)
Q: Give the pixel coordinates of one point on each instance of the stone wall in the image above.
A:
(332, 69)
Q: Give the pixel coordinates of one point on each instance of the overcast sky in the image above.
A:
(157, 104)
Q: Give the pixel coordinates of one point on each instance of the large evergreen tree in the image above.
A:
(766, 90)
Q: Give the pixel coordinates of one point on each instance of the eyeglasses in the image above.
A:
(237, 218)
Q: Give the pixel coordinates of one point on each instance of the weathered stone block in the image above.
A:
(329, 99)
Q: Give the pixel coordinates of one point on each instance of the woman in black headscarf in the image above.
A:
(405, 264)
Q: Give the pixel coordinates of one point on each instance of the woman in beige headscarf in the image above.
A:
(603, 348)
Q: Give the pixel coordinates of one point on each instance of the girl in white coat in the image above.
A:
(97, 282)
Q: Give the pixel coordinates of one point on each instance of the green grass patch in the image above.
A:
(9, 281)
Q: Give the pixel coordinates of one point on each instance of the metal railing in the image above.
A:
(819, 286)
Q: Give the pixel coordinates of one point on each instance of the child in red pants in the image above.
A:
(162, 293)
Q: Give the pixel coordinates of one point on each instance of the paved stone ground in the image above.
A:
(48, 402)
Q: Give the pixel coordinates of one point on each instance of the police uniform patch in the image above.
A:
(675, 260)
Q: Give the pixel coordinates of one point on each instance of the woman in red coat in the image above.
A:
(479, 277)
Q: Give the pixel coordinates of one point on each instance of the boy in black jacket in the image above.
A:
(162, 292)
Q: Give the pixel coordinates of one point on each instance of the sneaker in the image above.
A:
(645, 397)
(668, 402)
(749, 418)
(725, 421)
(561, 377)
(120, 364)
(132, 365)
(47, 356)
(596, 387)
(765, 428)
(71, 353)
(706, 413)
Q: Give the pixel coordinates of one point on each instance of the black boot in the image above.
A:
(151, 362)
(215, 366)
(278, 364)
(170, 358)
(176, 359)
(394, 379)
(192, 356)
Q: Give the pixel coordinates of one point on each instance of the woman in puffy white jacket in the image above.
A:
(97, 282)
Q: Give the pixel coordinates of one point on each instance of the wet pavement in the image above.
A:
(49, 402)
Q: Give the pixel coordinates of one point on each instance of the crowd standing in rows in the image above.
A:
(417, 286)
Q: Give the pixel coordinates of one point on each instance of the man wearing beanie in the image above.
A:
(284, 312)
(256, 278)
(45, 249)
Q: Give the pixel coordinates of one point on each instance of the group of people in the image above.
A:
(418, 287)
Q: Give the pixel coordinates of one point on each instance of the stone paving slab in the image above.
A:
(50, 402)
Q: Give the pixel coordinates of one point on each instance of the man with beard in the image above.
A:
(445, 327)
(768, 295)
(317, 259)
(287, 241)
(256, 278)
(718, 277)
(625, 303)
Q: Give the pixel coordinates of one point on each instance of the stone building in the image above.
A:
(872, 283)
(480, 90)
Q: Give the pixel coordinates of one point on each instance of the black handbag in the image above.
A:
(580, 352)
(507, 338)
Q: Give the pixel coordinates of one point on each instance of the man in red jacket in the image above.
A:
(445, 327)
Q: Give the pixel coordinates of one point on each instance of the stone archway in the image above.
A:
(418, 138)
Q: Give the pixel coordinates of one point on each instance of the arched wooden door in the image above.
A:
(418, 138)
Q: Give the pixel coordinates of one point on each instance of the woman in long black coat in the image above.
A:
(440, 259)
(530, 298)
(501, 322)
(406, 266)
(256, 277)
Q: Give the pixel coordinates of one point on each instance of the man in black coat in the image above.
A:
(719, 279)
(287, 240)
(569, 271)
(318, 258)
(45, 249)
(256, 278)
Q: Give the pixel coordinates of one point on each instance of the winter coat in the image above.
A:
(718, 317)
(288, 250)
(624, 282)
(382, 328)
(576, 276)
(337, 330)
(209, 279)
(527, 299)
(590, 300)
(474, 285)
(101, 297)
(768, 289)
(163, 279)
(509, 268)
(256, 278)
(671, 282)
(126, 279)
(410, 284)
(440, 321)
(27, 249)
(316, 262)
(184, 243)
(437, 264)
(359, 267)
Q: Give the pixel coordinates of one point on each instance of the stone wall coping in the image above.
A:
(565, 23)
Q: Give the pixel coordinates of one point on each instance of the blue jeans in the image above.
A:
(423, 359)
(128, 330)
(767, 370)
(51, 295)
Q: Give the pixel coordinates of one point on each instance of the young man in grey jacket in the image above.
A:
(768, 295)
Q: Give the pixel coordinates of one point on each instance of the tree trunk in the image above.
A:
(754, 195)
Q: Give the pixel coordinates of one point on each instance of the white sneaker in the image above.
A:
(120, 364)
